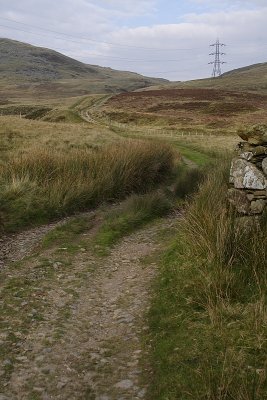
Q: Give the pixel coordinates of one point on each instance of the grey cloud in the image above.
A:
(243, 30)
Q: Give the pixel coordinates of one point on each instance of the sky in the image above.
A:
(162, 38)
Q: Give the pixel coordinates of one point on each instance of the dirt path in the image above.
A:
(77, 332)
(87, 114)
(15, 247)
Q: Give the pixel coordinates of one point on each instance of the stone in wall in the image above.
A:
(255, 135)
(248, 174)
(239, 200)
(244, 175)
(264, 166)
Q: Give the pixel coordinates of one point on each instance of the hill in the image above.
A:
(252, 78)
(27, 71)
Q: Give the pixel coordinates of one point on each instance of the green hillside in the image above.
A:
(27, 71)
(252, 78)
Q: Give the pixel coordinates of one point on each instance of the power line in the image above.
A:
(90, 39)
(217, 61)
(100, 55)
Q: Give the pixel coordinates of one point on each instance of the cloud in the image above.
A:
(243, 31)
(232, 3)
(134, 7)
(177, 51)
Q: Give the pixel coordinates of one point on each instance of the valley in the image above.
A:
(124, 272)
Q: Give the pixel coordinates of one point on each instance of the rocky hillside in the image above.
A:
(30, 70)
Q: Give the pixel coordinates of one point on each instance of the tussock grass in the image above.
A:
(188, 181)
(46, 184)
(208, 319)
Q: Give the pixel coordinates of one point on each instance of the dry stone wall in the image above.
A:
(248, 174)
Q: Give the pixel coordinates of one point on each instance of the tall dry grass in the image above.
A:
(45, 184)
(231, 290)
(235, 245)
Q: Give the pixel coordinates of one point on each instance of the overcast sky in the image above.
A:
(162, 38)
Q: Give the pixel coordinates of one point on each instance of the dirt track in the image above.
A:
(87, 340)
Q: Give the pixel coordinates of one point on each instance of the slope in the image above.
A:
(27, 71)
(252, 78)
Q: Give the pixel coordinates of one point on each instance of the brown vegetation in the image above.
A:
(209, 109)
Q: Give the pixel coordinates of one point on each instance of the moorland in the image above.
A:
(138, 280)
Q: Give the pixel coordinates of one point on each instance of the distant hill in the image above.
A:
(252, 78)
(27, 70)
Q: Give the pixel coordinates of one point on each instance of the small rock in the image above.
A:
(39, 358)
(125, 384)
(142, 393)
(57, 264)
(257, 206)
(250, 197)
(47, 370)
(38, 389)
(22, 358)
(239, 200)
(61, 384)
(6, 363)
(47, 350)
(248, 155)
(264, 166)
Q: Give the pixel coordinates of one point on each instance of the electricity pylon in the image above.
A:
(217, 62)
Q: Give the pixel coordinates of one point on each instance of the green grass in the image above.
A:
(201, 158)
(208, 318)
(132, 214)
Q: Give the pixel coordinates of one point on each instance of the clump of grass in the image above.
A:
(45, 184)
(208, 319)
(133, 213)
(188, 181)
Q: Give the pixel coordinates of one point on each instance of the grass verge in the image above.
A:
(132, 214)
(208, 318)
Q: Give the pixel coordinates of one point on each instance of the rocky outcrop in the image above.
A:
(248, 174)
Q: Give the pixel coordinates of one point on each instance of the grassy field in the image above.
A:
(19, 135)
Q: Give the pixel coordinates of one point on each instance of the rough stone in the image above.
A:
(264, 166)
(257, 206)
(248, 155)
(125, 384)
(243, 147)
(250, 196)
(259, 150)
(256, 135)
(244, 175)
(239, 200)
